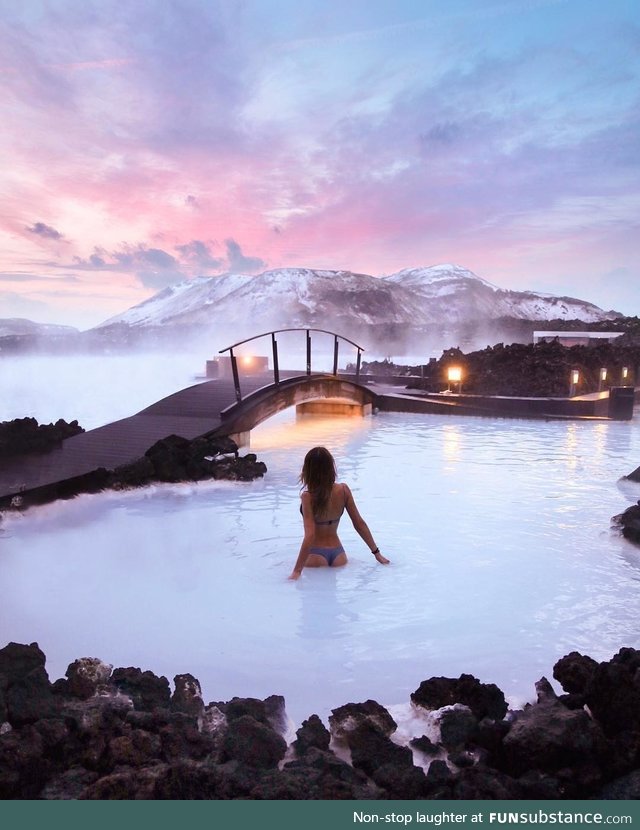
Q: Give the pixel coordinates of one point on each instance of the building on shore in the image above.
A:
(576, 338)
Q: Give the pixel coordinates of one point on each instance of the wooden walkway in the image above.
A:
(190, 413)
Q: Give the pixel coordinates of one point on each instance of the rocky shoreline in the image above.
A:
(172, 459)
(103, 733)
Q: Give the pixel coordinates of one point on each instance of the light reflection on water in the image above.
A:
(498, 532)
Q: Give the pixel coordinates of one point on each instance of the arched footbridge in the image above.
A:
(334, 391)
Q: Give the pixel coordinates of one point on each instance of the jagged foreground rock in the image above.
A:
(100, 733)
(629, 523)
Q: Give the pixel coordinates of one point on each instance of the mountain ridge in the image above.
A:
(407, 304)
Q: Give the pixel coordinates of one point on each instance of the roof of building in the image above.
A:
(593, 334)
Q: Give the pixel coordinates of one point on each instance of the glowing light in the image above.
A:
(247, 361)
(575, 376)
(454, 374)
(603, 374)
(625, 372)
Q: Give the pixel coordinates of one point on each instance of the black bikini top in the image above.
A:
(329, 521)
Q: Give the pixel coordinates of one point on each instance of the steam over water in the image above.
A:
(498, 530)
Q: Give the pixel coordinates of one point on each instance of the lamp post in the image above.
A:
(602, 379)
(575, 379)
(454, 375)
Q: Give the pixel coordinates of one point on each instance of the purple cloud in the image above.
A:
(45, 231)
(199, 255)
(156, 268)
(237, 261)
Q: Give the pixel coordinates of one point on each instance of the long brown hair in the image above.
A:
(318, 476)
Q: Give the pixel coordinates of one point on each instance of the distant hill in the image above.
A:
(18, 326)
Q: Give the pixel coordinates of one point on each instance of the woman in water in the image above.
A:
(323, 502)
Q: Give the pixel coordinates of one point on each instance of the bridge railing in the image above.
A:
(274, 350)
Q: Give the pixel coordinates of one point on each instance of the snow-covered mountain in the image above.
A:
(457, 293)
(410, 302)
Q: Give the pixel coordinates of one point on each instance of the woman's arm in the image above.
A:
(309, 531)
(361, 527)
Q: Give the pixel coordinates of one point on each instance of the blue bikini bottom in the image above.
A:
(330, 554)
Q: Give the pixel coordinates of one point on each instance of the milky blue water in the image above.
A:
(503, 558)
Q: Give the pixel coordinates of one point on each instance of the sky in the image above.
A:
(144, 142)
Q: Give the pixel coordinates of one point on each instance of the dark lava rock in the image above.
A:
(312, 733)
(574, 672)
(135, 474)
(270, 711)
(276, 711)
(187, 696)
(276, 785)
(176, 459)
(484, 699)
(181, 738)
(371, 748)
(629, 521)
(573, 701)
(401, 782)
(580, 780)
(55, 735)
(425, 744)
(128, 785)
(69, 785)
(547, 736)
(462, 758)
(86, 741)
(23, 767)
(628, 657)
(86, 675)
(324, 776)
(635, 475)
(25, 435)
(490, 734)
(627, 787)
(538, 785)
(30, 698)
(150, 721)
(484, 783)
(346, 718)
(253, 743)
(458, 726)
(438, 775)
(146, 690)
(545, 692)
(169, 457)
(137, 749)
(613, 695)
(189, 780)
(18, 660)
